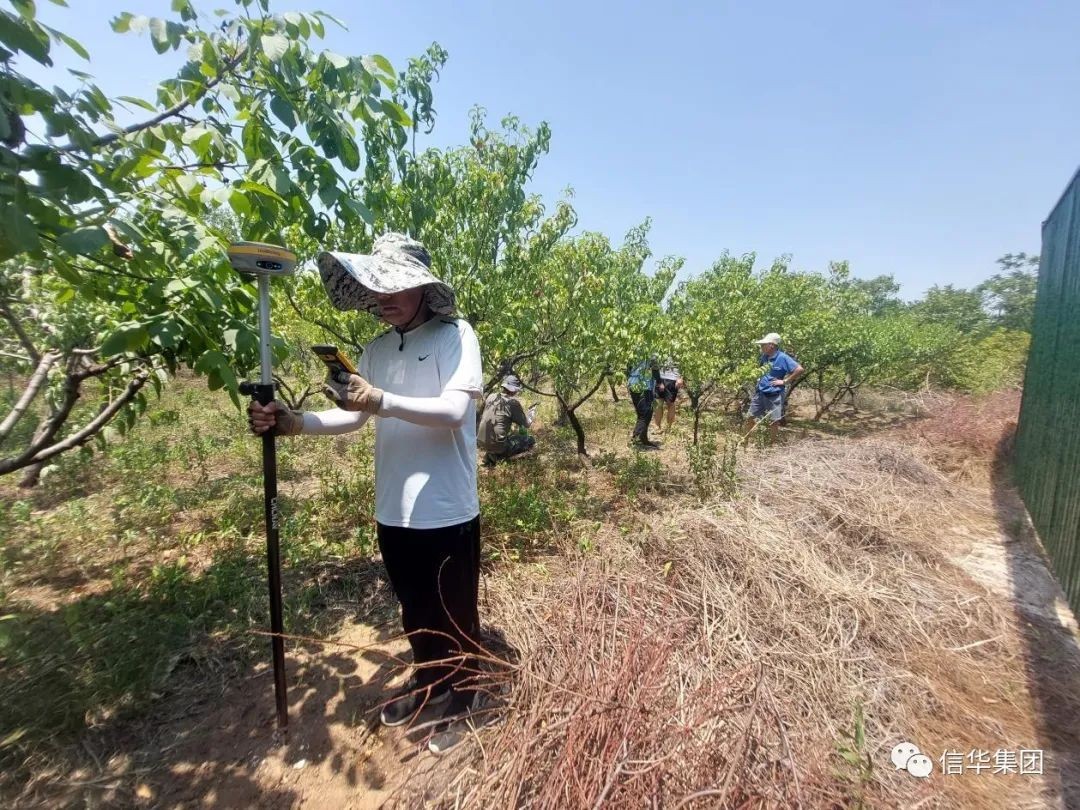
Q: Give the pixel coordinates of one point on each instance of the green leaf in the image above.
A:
(384, 64)
(15, 34)
(283, 110)
(264, 190)
(336, 60)
(128, 337)
(26, 8)
(121, 24)
(187, 13)
(19, 235)
(396, 113)
(159, 34)
(239, 203)
(84, 240)
(138, 102)
(72, 43)
(65, 295)
(274, 46)
(359, 209)
(349, 152)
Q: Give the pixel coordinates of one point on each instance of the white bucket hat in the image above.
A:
(772, 338)
(396, 263)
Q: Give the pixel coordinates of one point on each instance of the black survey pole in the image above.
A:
(263, 393)
(265, 260)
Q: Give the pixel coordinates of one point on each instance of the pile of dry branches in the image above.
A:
(722, 657)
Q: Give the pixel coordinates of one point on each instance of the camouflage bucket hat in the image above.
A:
(395, 263)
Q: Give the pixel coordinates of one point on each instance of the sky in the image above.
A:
(919, 139)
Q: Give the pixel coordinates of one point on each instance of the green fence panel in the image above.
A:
(1048, 436)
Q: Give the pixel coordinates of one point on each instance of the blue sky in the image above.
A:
(922, 139)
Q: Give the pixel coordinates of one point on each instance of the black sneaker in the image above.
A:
(408, 703)
(464, 720)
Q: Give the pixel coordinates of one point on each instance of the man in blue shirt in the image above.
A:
(768, 400)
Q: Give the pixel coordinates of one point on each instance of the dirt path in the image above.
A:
(226, 751)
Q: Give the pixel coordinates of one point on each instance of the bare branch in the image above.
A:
(592, 391)
(37, 380)
(322, 324)
(80, 436)
(24, 339)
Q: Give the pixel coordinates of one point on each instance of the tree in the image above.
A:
(599, 312)
(953, 306)
(1010, 295)
(716, 315)
(113, 265)
(881, 294)
(491, 238)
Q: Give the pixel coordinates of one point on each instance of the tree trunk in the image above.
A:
(579, 431)
(563, 419)
(697, 420)
(32, 474)
(614, 394)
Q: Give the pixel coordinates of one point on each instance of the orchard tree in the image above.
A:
(600, 311)
(1010, 295)
(489, 238)
(113, 268)
(953, 306)
(716, 316)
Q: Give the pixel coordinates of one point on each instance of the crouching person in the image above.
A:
(502, 411)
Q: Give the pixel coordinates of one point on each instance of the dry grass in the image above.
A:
(721, 664)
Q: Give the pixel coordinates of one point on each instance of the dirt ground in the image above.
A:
(217, 746)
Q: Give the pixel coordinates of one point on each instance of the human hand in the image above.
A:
(262, 418)
(778, 383)
(353, 393)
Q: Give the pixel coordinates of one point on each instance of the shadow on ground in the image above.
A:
(1051, 651)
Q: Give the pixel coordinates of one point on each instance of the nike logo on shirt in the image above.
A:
(425, 357)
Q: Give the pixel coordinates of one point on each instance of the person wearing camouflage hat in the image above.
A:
(421, 379)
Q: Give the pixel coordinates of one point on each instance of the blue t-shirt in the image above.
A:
(780, 365)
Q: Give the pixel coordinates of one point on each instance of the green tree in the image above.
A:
(953, 306)
(599, 311)
(882, 294)
(1010, 294)
(113, 267)
(491, 238)
(716, 316)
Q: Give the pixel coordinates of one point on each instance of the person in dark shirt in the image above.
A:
(642, 382)
(770, 394)
(671, 383)
(503, 410)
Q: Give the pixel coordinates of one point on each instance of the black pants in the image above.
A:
(643, 406)
(436, 576)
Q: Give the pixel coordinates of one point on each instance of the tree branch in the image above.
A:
(594, 389)
(172, 111)
(322, 325)
(24, 339)
(80, 436)
(37, 380)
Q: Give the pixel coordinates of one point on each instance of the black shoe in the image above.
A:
(464, 718)
(409, 701)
